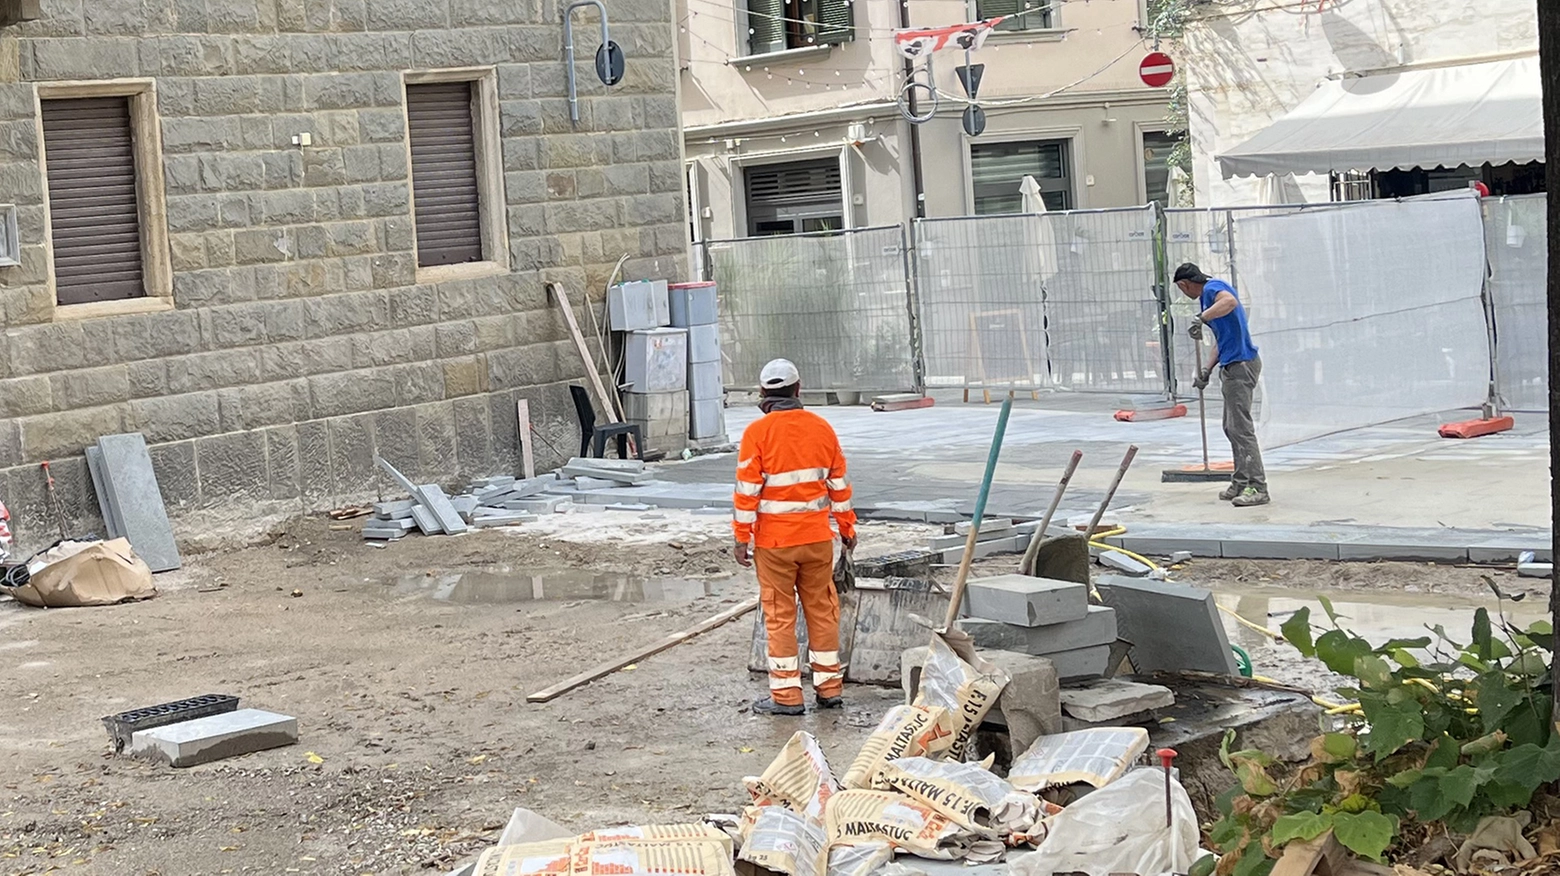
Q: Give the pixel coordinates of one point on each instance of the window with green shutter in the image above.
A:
(777, 25)
(1025, 14)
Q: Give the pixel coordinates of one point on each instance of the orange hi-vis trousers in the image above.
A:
(784, 574)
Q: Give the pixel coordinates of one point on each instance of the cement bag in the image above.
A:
(967, 793)
(658, 833)
(548, 858)
(907, 824)
(784, 841)
(1119, 829)
(861, 859)
(906, 731)
(798, 779)
(652, 858)
(967, 691)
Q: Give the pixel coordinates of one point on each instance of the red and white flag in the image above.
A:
(918, 42)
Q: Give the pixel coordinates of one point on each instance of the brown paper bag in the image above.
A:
(101, 573)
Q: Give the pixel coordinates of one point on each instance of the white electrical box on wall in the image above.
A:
(10, 248)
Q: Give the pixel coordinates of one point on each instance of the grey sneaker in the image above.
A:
(1250, 497)
(767, 706)
(1230, 492)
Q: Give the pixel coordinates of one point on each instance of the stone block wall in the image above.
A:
(300, 341)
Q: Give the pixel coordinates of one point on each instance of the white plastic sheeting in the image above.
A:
(1041, 301)
(1365, 315)
(1516, 231)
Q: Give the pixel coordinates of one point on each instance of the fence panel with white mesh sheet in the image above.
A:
(1041, 301)
(1516, 231)
(1201, 237)
(836, 304)
(1364, 315)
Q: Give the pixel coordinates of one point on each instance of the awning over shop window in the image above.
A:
(1444, 117)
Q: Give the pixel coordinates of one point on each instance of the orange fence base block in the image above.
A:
(1476, 428)
(902, 402)
(1151, 414)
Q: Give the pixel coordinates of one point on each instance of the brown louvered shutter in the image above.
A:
(93, 213)
(444, 173)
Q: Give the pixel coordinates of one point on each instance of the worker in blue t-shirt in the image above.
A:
(1220, 310)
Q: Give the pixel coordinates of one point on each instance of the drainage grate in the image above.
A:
(123, 725)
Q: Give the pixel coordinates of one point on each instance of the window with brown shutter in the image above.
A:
(94, 212)
(446, 189)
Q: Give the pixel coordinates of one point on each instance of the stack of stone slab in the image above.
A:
(693, 308)
(500, 501)
(1041, 617)
(130, 500)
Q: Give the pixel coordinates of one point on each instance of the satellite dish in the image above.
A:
(609, 63)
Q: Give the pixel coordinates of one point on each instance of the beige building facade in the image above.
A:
(792, 120)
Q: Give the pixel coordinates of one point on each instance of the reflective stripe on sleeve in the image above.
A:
(746, 489)
(837, 483)
(745, 516)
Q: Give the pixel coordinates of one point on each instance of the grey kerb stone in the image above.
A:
(1026, 601)
(203, 740)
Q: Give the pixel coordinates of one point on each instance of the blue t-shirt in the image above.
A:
(1229, 330)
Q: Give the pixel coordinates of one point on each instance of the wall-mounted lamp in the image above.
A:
(609, 57)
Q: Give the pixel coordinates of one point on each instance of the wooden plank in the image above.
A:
(579, 344)
(1322, 856)
(523, 418)
(614, 665)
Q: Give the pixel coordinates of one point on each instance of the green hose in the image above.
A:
(1242, 661)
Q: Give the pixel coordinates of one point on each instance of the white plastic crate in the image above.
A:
(656, 360)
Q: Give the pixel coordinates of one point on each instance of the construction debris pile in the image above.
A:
(1071, 802)
(584, 485)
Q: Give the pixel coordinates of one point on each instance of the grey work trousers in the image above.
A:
(1239, 384)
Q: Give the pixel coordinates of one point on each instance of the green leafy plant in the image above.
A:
(1442, 732)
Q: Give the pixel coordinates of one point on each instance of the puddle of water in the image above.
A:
(479, 587)
(1376, 616)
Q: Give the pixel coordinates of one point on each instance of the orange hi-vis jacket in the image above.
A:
(790, 479)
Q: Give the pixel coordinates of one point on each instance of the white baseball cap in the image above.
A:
(779, 373)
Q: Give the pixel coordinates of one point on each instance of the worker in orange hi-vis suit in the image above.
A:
(790, 480)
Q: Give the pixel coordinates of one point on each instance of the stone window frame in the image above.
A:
(151, 195)
(491, 204)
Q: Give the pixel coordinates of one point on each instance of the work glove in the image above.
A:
(1195, 330)
(1203, 376)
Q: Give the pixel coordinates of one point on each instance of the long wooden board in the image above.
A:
(579, 343)
(614, 665)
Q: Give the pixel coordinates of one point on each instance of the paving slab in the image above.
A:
(1096, 628)
(622, 466)
(397, 510)
(432, 497)
(508, 518)
(203, 740)
(426, 521)
(613, 475)
(1172, 627)
(537, 505)
(465, 505)
(1026, 601)
(111, 522)
(383, 533)
(137, 502)
(1112, 699)
(629, 506)
(1124, 564)
(988, 526)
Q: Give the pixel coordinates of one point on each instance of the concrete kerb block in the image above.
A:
(629, 506)
(1416, 553)
(507, 518)
(1098, 627)
(426, 522)
(203, 740)
(1029, 707)
(397, 510)
(1154, 546)
(1171, 626)
(383, 534)
(432, 497)
(1010, 544)
(537, 505)
(1026, 601)
(1080, 662)
(1510, 550)
(1535, 570)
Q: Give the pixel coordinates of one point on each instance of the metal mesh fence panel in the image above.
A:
(1516, 234)
(835, 304)
(1366, 314)
(1049, 300)
(982, 310)
(1202, 237)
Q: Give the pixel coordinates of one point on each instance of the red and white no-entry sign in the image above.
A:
(1157, 70)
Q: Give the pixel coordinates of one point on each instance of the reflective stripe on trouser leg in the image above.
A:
(777, 594)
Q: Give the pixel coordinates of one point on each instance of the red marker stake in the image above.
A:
(1166, 755)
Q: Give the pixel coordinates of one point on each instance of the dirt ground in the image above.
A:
(417, 740)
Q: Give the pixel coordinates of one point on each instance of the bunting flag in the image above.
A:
(919, 42)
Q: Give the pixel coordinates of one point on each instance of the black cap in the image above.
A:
(1189, 271)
